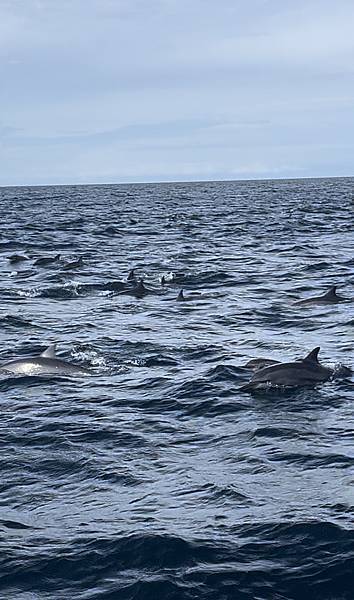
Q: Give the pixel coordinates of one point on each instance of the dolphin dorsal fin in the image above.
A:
(180, 296)
(331, 292)
(131, 275)
(49, 352)
(313, 356)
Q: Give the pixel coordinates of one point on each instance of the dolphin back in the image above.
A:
(46, 363)
(304, 372)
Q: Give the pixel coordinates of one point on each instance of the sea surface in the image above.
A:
(156, 478)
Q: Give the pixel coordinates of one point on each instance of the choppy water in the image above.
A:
(157, 478)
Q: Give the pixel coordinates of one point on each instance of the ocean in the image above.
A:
(157, 478)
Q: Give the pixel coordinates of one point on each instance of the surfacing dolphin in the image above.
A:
(307, 371)
(191, 296)
(43, 261)
(139, 290)
(16, 258)
(259, 363)
(330, 297)
(131, 275)
(75, 264)
(46, 363)
(181, 297)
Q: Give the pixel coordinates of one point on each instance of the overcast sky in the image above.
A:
(157, 90)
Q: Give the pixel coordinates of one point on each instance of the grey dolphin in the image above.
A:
(181, 297)
(330, 297)
(131, 276)
(46, 260)
(307, 371)
(259, 363)
(15, 258)
(75, 264)
(191, 296)
(167, 278)
(46, 363)
(139, 289)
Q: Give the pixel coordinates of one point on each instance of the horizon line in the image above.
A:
(161, 182)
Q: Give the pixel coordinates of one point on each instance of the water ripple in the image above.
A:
(157, 477)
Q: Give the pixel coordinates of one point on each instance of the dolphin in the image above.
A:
(259, 363)
(46, 260)
(46, 363)
(307, 371)
(330, 297)
(168, 278)
(181, 297)
(139, 290)
(191, 296)
(131, 276)
(75, 264)
(15, 258)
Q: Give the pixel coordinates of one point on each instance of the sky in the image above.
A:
(104, 91)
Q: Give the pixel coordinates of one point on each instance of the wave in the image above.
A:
(156, 478)
(261, 560)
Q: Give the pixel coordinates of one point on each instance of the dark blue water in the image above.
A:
(156, 478)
